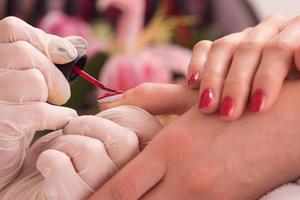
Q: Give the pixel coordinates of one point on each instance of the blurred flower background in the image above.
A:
(136, 41)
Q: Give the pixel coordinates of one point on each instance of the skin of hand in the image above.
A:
(72, 163)
(28, 78)
(213, 159)
(249, 66)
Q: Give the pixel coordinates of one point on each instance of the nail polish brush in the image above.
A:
(76, 68)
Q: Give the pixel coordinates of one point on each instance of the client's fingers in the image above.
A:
(199, 57)
(61, 180)
(276, 62)
(89, 158)
(216, 69)
(246, 59)
(155, 98)
(120, 143)
(143, 124)
(23, 86)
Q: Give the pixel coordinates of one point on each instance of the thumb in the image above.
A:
(156, 98)
(30, 117)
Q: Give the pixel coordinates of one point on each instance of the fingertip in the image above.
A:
(60, 50)
(79, 43)
(193, 81)
(59, 93)
(207, 103)
(52, 161)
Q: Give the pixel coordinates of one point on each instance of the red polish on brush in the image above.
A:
(96, 83)
(75, 68)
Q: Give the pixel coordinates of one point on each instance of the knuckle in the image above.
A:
(10, 24)
(278, 44)
(131, 139)
(37, 78)
(143, 89)
(250, 45)
(93, 146)
(24, 48)
(225, 42)
(202, 45)
(55, 160)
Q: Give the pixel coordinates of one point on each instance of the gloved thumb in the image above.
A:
(19, 120)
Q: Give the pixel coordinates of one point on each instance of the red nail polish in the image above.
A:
(206, 98)
(227, 107)
(193, 78)
(257, 101)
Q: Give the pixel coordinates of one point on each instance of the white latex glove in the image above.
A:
(27, 55)
(28, 78)
(71, 167)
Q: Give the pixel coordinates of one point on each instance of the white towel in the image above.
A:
(289, 191)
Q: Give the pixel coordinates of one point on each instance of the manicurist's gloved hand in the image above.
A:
(28, 79)
(71, 164)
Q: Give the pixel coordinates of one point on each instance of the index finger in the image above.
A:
(156, 98)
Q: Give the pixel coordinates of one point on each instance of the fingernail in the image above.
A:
(226, 107)
(194, 77)
(61, 51)
(109, 98)
(206, 98)
(257, 101)
(79, 43)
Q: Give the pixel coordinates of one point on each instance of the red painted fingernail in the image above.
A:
(206, 98)
(227, 107)
(193, 78)
(257, 101)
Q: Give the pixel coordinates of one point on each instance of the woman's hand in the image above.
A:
(252, 63)
(200, 157)
(73, 163)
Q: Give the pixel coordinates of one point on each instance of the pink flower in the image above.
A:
(153, 64)
(56, 22)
